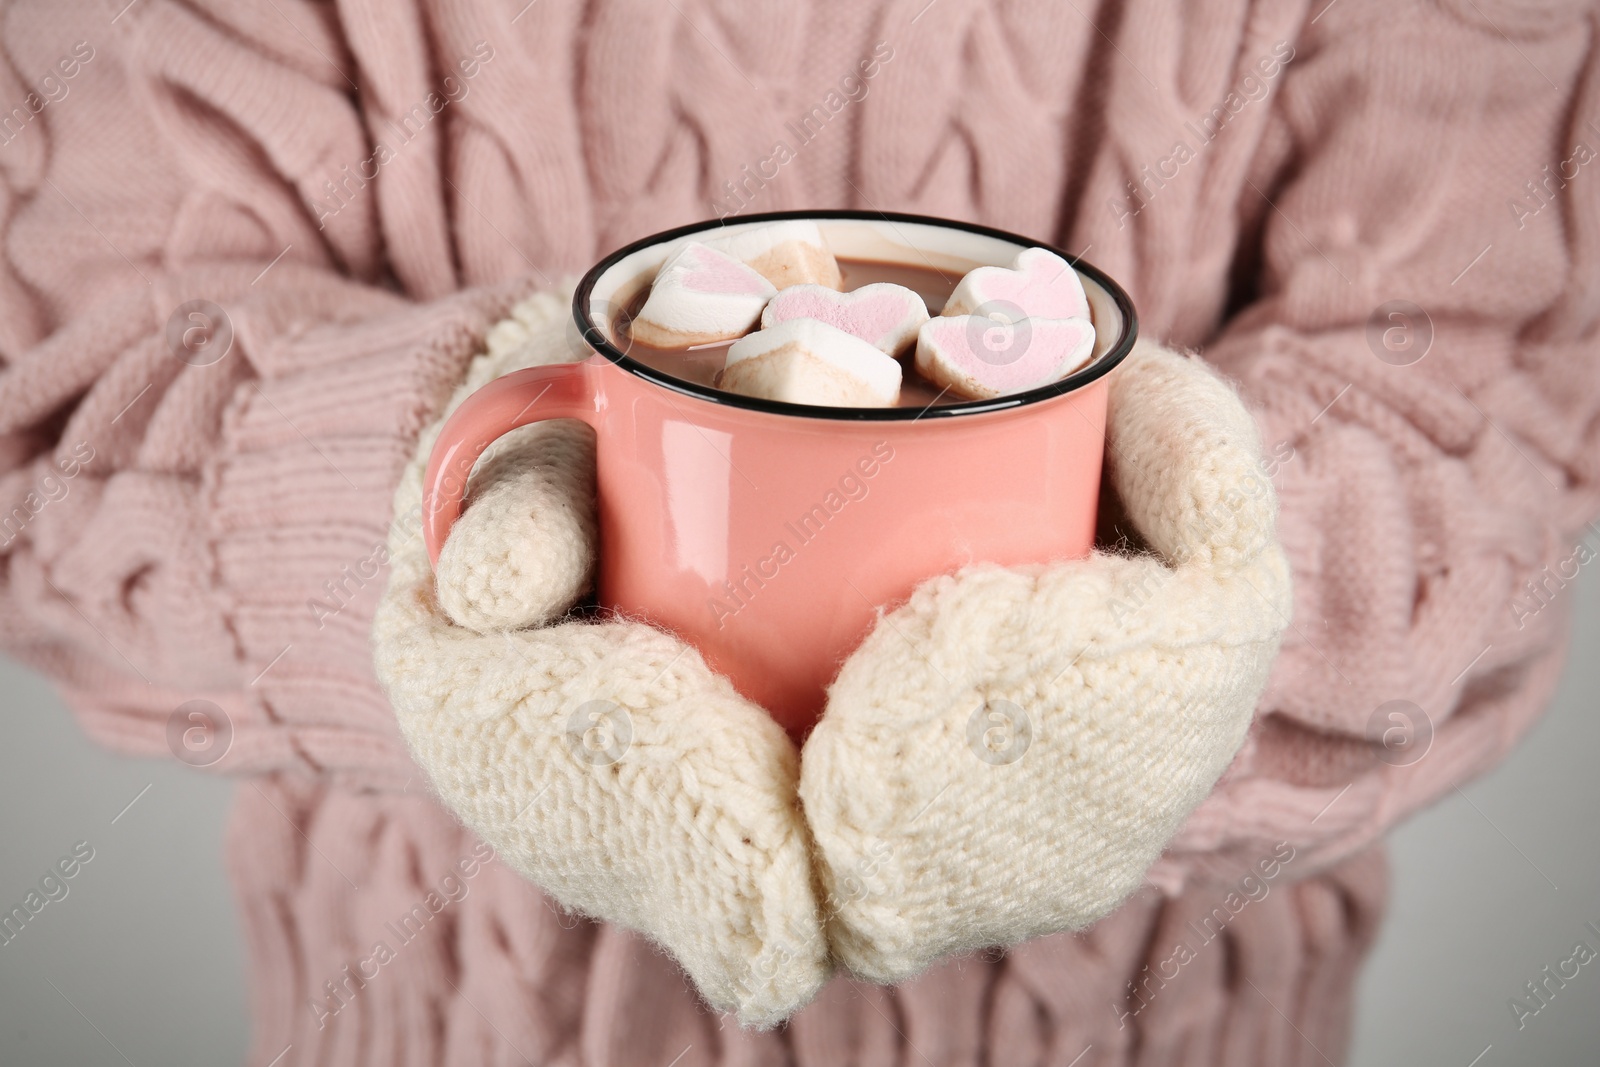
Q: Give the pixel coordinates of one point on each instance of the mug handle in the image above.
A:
(534, 394)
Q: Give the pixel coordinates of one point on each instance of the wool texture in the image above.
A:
(1083, 708)
(603, 760)
(1007, 754)
(226, 540)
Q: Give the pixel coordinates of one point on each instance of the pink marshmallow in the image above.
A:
(978, 357)
(700, 296)
(882, 314)
(784, 253)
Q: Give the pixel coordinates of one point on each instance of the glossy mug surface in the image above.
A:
(769, 534)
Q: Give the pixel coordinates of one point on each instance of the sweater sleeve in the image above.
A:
(1418, 339)
(206, 399)
(1429, 155)
(205, 531)
(338, 201)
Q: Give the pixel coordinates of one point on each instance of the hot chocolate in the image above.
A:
(700, 364)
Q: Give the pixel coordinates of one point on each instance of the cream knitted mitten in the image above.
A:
(1006, 754)
(1003, 757)
(602, 760)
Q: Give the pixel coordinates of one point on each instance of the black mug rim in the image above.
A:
(595, 337)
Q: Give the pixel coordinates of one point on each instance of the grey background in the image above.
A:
(142, 961)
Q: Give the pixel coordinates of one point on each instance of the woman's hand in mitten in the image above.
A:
(602, 760)
(1006, 754)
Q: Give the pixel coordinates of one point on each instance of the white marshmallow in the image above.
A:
(700, 296)
(1038, 284)
(882, 314)
(806, 361)
(785, 253)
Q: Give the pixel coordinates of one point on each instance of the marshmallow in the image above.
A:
(700, 296)
(882, 314)
(979, 357)
(807, 361)
(784, 253)
(1038, 284)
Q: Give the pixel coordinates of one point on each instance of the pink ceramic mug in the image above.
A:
(769, 534)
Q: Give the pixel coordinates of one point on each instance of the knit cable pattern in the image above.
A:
(1428, 511)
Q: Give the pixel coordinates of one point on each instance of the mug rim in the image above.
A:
(595, 337)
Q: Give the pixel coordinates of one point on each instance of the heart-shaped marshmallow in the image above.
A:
(807, 361)
(699, 296)
(1038, 284)
(784, 253)
(979, 357)
(882, 314)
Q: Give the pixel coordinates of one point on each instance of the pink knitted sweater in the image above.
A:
(364, 187)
